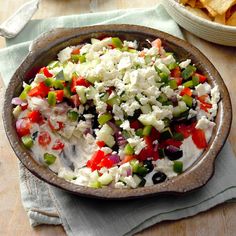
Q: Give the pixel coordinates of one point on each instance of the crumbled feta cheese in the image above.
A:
(167, 60)
(138, 143)
(203, 89)
(129, 180)
(204, 123)
(120, 185)
(184, 64)
(168, 91)
(106, 150)
(215, 95)
(165, 166)
(124, 63)
(65, 54)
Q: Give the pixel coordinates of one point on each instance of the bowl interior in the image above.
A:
(45, 48)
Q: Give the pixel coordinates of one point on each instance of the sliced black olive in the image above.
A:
(173, 153)
(159, 177)
(148, 165)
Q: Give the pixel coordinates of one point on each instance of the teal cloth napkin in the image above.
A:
(80, 216)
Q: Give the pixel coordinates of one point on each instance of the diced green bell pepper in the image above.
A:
(67, 92)
(188, 84)
(173, 84)
(117, 42)
(147, 130)
(188, 71)
(178, 167)
(78, 58)
(139, 132)
(57, 84)
(128, 150)
(178, 136)
(23, 94)
(164, 77)
(49, 159)
(188, 100)
(172, 65)
(52, 98)
(27, 141)
(118, 122)
(195, 80)
(113, 101)
(166, 133)
(162, 98)
(72, 115)
(104, 118)
(161, 152)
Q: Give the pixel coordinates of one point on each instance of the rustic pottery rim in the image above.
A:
(194, 177)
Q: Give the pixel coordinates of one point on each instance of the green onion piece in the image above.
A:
(173, 84)
(23, 94)
(161, 152)
(178, 167)
(139, 132)
(172, 65)
(178, 136)
(52, 98)
(102, 119)
(195, 80)
(128, 150)
(57, 84)
(117, 42)
(162, 98)
(48, 82)
(164, 77)
(113, 101)
(49, 159)
(27, 141)
(188, 84)
(72, 115)
(188, 100)
(188, 71)
(147, 130)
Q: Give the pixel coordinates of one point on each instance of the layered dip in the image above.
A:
(114, 113)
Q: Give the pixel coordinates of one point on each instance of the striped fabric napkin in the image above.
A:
(80, 216)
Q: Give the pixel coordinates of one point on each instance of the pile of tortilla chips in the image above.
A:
(220, 11)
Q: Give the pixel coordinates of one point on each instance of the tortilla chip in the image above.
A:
(219, 6)
(232, 20)
(183, 1)
(192, 3)
(198, 12)
(210, 10)
(220, 19)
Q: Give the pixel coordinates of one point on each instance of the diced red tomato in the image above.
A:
(59, 95)
(135, 124)
(100, 144)
(178, 80)
(203, 98)
(56, 127)
(205, 106)
(76, 51)
(35, 116)
(105, 162)
(172, 142)
(95, 160)
(58, 145)
(157, 43)
(202, 78)
(199, 138)
(23, 126)
(76, 81)
(147, 151)
(184, 129)
(41, 90)
(186, 91)
(44, 138)
(155, 135)
(111, 46)
(46, 72)
(128, 158)
(75, 100)
(176, 72)
(24, 106)
(110, 90)
(148, 140)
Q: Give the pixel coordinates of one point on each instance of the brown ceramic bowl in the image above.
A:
(46, 47)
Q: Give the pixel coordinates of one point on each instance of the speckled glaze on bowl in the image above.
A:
(205, 29)
(46, 47)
